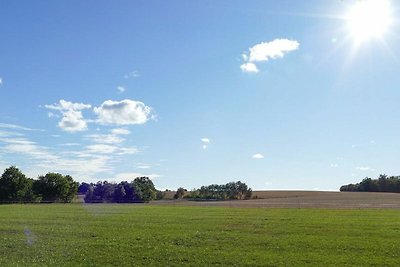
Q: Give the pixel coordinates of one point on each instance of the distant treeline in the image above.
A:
(15, 187)
(384, 183)
(139, 190)
(232, 190)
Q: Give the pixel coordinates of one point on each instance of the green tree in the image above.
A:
(144, 189)
(179, 193)
(55, 187)
(15, 186)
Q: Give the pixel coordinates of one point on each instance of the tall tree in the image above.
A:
(56, 187)
(15, 186)
(144, 189)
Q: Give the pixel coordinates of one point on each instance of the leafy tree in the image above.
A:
(179, 193)
(55, 187)
(83, 188)
(232, 190)
(384, 183)
(119, 194)
(15, 186)
(144, 189)
(160, 195)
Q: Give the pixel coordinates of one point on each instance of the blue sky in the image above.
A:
(278, 94)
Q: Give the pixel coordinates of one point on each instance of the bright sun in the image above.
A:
(369, 19)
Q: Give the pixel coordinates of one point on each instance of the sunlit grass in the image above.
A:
(144, 235)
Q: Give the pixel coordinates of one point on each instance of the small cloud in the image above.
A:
(363, 168)
(249, 67)
(143, 166)
(266, 51)
(372, 142)
(72, 118)
(1, 81)
(70, 144)
(334, 165)
(16, 127)
(120, 131)
(132, 74)
(121, 89)
(130, 176)
(258, 156)
(125, 112)
(105, 138)
(52, 115)
(206, 142)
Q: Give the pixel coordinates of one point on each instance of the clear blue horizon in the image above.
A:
(277, 94)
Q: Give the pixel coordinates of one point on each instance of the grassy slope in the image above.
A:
(144, 235)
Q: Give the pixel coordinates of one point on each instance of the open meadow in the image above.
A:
(174, 235)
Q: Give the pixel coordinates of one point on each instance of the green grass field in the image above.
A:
(146, 235)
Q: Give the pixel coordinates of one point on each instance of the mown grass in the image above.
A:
(145, 235)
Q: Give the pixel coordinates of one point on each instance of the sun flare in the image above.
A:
(369, 19)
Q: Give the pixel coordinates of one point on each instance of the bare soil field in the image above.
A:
(303, 199)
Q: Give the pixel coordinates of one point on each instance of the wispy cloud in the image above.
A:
(129, 176)
(16, 127)
(143, 166)
(258, 156)
(364, 168)
(72, 118)
(105, 138)
(266, 51)
(82, 162)
(132, 74)
(206, 141)
(120, 131)
(1, 81)
(121, 89)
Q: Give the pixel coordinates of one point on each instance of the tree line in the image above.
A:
(383, 183)
(139, 190)
(15, 187)
(229, 191)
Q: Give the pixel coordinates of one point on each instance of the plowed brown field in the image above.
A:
(303, 199)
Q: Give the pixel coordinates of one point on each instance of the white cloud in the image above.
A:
(101, 149)
(143, 166)
(16, 127)
(132, 74)
(364, 168)
(120, 131)
(334, 165)
(258, 156)
(206, 142)
(72, 118)
(1, 81)
(70, 144)
(129, 176)
(272, 50)
(121, 89)
(249, 67)
(267, 51)
(110, 149)
(52, 115)
(105, 138)
(125, 112)
(83, 163)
